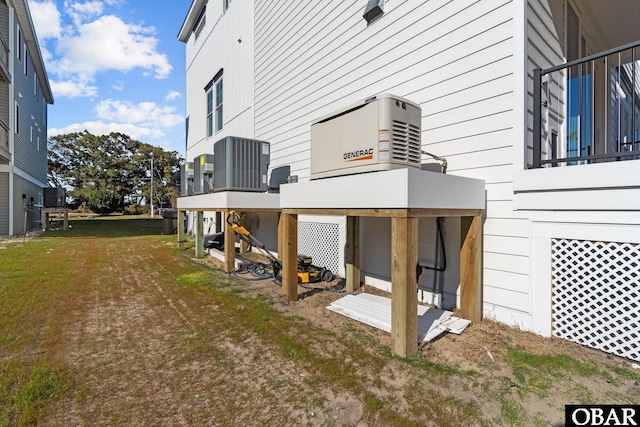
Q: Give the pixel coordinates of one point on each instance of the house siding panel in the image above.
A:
(228, 42)
(4, 207)
(27, 156)
(453, 58)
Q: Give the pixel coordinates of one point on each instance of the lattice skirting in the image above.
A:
(320, 241)
(596, 295)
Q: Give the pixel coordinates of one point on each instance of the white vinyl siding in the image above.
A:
(226, 42)
(455, 59)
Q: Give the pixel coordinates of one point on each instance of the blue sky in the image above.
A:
(115, 65)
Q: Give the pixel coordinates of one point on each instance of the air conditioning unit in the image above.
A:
(379, 133)
(186, 179)
(203, 174)
(240, 164)
(55, 197)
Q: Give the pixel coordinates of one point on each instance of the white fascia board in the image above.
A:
(190, 19)
(224, 200)
(579, 177)
(392, 189)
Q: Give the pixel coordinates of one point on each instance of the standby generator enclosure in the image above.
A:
(203, 171)
(379, 133)
(186, 179)
(241, 164)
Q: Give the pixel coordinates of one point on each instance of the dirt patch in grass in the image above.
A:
(147, 335)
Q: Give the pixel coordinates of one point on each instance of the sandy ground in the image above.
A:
(146, 352)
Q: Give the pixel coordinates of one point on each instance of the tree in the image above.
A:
(103, 200)
(85, 164)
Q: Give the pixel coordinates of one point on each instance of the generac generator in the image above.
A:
(379, 133)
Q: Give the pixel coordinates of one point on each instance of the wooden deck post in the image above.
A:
(352, 254)
(199, 234)
(404, 297)
(229, 245)
(289, 256)
(180, 227)
(471, 268)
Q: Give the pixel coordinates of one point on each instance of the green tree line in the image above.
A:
(110, 173)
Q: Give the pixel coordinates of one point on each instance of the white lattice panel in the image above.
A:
(596, 295)
(320, 241)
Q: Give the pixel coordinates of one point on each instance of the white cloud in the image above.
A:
(119, 85)
(141, 133)
(93, 43)
(73, 89)
(46, 19)
(145, 121)
(147, 113)
(81, 12)
(108, 43)
(172, 95)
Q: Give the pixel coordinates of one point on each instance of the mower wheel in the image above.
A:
(326, 275)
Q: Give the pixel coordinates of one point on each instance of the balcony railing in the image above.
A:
(588, 110)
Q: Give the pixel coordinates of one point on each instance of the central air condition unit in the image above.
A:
(203, 174)
(186, 179)
(55, 197)
(379, 133)
(241, 164)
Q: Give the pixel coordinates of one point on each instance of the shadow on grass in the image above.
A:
(109, 227)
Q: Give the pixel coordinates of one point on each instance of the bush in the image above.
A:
(136, 209)
(103, 200)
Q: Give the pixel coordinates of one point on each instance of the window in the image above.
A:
(209, 112)
(199, 25)
(38, 143)
(31, 136)
(26, 57)
(213, 91)
(219, 105)
(36, 87)
(19, 44)
(17, 120)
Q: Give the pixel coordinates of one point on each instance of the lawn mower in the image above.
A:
(307, 272)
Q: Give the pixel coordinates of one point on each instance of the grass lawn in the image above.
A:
(110, 323)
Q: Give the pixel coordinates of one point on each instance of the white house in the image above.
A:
(538, 98)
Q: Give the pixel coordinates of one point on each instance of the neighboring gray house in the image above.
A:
(538, 98)
(24, 95)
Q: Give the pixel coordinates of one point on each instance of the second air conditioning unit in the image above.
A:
(203, 174)
(186, 179)
(240, 164)
(379, 133)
